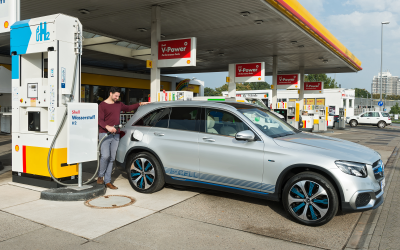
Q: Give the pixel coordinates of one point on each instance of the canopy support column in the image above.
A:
(231, 83)
(155, 38)
(274, 81)
(301, 95)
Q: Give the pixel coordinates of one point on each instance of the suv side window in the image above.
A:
(184, 118)
(158, 118)
(375, 114)
(385, 114)
(223, 123)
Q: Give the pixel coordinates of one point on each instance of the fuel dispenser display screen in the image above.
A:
(32, 90)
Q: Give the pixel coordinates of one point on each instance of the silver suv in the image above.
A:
(245, 149)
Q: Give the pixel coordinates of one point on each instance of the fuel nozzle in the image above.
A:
(116, 127)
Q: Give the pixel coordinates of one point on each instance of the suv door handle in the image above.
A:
(158, 134)
(208, 139)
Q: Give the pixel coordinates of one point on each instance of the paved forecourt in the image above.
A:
(174, 218)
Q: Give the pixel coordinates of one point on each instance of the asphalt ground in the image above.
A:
(176, 218)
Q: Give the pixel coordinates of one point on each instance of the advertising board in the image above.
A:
(247, 72)
(177, 52)
(290, 81)
(313, 87)
(8, 14)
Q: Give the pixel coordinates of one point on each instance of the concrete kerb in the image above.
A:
(365, 227)
(68, 194)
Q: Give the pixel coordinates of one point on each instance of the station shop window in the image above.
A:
(350, 103)
(97, 94)
(344, 103)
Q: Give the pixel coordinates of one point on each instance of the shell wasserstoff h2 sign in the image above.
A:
(313, 87)
(247, 72)
(177, 52)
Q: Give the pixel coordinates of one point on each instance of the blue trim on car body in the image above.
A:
(221, 180)
(218, 185)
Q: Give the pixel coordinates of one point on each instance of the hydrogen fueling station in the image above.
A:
(54, 132)
(61, 53)
(46, 66)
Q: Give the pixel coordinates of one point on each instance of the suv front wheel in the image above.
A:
(144, 173)
(310, 199)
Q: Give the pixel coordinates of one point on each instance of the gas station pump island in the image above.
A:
(52, 132)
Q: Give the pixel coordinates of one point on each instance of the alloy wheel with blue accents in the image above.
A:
(142, 173)
(308, 200)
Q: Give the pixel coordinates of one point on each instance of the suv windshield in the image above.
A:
(268, 123)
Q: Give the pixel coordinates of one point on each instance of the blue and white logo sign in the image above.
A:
(380, 103)
(41, 33)
(63, 76)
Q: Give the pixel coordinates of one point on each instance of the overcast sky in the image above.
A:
(357, 25)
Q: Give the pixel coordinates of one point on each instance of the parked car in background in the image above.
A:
(376, 118)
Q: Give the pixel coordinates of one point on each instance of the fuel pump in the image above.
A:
(322, 118)
(294, 115)
(52, 132)
(342, 118)
(282, 109)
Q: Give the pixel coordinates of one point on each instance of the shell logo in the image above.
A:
(259, 77)
(16, 148)
(6, 24)
(295, 86)
(21, 100)
(188, 61)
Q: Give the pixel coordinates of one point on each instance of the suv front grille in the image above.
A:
(363, 199)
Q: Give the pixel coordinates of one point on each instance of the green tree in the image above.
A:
(258, 85)
(209, 92)
(239, 86)
(329, 83)
(362, 93)
(395, 109)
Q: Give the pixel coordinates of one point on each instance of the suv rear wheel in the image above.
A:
(144, 173)
(381, 124)
(353, 123)
(310, 199)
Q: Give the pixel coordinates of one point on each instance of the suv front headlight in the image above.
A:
(353, 168)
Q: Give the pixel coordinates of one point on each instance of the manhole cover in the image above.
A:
(110, 201)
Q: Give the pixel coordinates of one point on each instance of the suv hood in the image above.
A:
(333, 147)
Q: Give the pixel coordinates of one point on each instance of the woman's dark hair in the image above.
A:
(115, 89)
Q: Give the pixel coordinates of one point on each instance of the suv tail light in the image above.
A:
(121, 134)
(389, 118)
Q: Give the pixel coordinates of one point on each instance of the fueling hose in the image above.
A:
(77, 60)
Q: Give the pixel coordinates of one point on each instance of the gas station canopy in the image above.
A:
(118, 34)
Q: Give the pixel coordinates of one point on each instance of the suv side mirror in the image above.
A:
(245, 135)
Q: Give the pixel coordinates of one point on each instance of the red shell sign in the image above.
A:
(288, 79)
(174, 49)
(313, 86)
(248, 69)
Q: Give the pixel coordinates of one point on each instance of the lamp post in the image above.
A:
(382, 55)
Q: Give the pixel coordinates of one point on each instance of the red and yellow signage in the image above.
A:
(173, 49)
(177, 52)
(248, 69)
